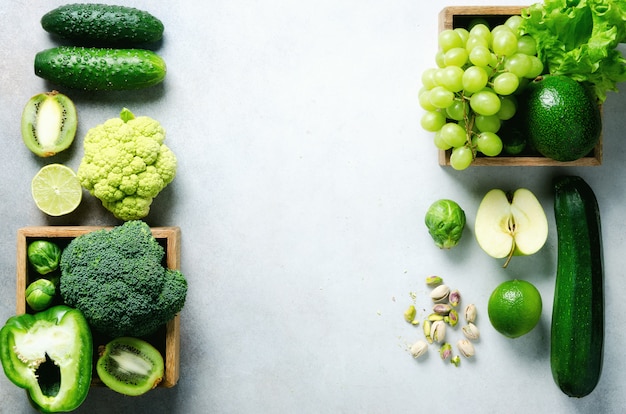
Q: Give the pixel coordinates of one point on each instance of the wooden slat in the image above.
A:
(171, 235)
(446, 21)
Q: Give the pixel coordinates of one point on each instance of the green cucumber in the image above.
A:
(577, 334)
(93, 69)
(103, 24)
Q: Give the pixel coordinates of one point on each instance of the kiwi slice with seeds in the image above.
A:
(130, 366)
(49, 123)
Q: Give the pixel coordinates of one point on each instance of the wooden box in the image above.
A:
(460, 16)
(166, 339)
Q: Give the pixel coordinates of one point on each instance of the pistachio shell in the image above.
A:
(465, 348)
(419, 348)
(440, 293)
(438, 331)
(470, 313)
(471, 331)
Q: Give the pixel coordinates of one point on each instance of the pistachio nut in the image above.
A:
(435, 317)
(470, 313)
(409, 314)
(471, 331)
(454, 298)
(456, 360)
(419, 348)
(465, 348)
(445, 351)
(452, 318)
(433, 280)
(442, 308)
(438, 331)
(440, 293)
(427, 329)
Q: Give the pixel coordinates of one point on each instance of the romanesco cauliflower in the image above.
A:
(125, 164)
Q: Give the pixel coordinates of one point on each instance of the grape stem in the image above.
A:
(469, 119)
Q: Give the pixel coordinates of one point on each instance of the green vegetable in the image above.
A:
(44, 256)
(50, 355)
(578, 313)
(445, 221)
(103, 24)
(40, 294)
(117, 279)
(126, 164)
(100, 69)
(579, 39)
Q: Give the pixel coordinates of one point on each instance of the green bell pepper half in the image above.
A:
(49, 354)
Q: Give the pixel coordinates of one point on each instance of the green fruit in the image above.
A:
(92, 68)
(561, 118)
(130, 366)
(103, 24)
(514, 308)
(49, 122)
(513, 141)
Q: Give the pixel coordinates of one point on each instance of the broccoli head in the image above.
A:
(125, 164)
(117, 279)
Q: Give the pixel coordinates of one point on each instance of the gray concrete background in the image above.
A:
(302, 184)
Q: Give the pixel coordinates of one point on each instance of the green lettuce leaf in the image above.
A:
(578, 38)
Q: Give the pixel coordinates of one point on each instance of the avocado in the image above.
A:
(561, 117)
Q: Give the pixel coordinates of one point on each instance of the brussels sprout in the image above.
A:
(445, 220)
(40, 294)
(44, 256)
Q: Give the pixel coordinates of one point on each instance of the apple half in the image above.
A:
(510, 224)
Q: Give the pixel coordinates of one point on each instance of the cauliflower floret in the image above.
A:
(165, 164)
(129, 206)
(126, 164)
(150, 182)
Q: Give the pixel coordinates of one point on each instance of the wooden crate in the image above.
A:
(460, 16)
(166, 339)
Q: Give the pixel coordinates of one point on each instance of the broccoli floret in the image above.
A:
(117, 279)
(126, 165)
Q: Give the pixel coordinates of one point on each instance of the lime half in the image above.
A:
(56, 190)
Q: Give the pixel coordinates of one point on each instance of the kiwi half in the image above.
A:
(49, 123)
(130, 366)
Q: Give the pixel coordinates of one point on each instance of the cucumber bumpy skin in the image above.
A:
(104, 69)
(103, 24)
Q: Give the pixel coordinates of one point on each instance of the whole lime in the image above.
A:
(514, 308)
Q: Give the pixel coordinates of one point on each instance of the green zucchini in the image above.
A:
(103, 24)
(93, 69)
(577, 333)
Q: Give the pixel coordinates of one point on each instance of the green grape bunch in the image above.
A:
(472, 91)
